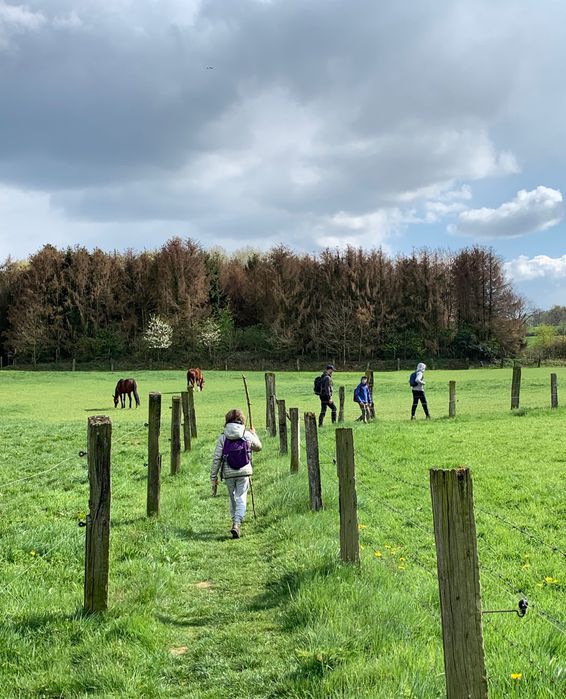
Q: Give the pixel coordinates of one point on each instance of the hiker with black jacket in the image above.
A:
(326, 395)
(417, 383)
(233, 461)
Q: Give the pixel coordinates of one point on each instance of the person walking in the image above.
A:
(326, 395)
(362, 396)
(232, 460)
(417, 383)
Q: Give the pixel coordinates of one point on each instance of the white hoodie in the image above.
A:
(419, 378)
(233, 431)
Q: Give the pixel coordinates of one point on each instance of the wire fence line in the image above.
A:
(522, 530)
(119, 439)
(37, 474)
(60, 542)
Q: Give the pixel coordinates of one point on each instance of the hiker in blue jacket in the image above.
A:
(362, 396)
(417, 383)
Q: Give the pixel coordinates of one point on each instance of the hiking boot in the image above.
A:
(235, 531)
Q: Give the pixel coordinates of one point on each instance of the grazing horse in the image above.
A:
(195, 378)
(123, 387)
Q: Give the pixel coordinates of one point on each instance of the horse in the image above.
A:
(123, 387)
(195, 378)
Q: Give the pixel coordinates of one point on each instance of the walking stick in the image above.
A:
(251, 427)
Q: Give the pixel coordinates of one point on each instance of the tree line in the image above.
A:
(351, 305)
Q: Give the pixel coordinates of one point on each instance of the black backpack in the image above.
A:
(318, 385)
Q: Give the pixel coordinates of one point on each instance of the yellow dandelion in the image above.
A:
(548, 579)
(516, 675)
(33, 553)
(362, 526)
(377, 554)
(401, 558)
(362, 547)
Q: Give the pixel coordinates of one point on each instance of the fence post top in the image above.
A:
(99, 420)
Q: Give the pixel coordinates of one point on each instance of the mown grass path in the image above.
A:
(195, 614)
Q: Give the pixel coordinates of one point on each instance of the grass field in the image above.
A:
(195, 614)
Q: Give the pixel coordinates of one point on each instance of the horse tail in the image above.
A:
(136, 396)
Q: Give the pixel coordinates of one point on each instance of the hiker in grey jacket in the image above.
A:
(237, 480)
(418, 391)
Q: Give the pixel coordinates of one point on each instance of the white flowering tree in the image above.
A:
(158, 334)
(209, 335)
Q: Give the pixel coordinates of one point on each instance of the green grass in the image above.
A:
(194, 614)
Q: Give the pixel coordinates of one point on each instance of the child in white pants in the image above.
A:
(232, 459)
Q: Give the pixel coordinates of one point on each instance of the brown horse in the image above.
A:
(123, 387)
(195, 378)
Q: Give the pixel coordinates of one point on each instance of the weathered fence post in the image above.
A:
(186, 420)
(192, 412)
(153, 457)
(398, 364)
(553, 391)
(349, 536)
(282, 419)
(459, 583)
(313, 463)
(452, 399)
(99, 442)
(112, 365)
(74, 364)
(342, 398)
(515, 387)
(298, 365)
(295, 439)
(270, 404)
(176, 435)
(369, 374)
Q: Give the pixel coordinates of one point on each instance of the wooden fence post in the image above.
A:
(192, 412)
(112, 365)
(186, 420)
(398, 364)
(515, 387)
(270, 404)
(342, 398)
(282, 418)
(349, 536)
(153, 457)
(369, 374)
(295, 439)
(313, 462)
(553, 391)
(176, 435)
(74, 364)
(459, 583)
(99, 442)
(452, 399)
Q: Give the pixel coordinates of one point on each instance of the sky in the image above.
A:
(313, 123)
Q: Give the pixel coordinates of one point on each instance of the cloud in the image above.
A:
(524, 268)
(312, 115)
(528, 212)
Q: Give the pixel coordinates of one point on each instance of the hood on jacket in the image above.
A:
(421, 366)
(233, 430)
